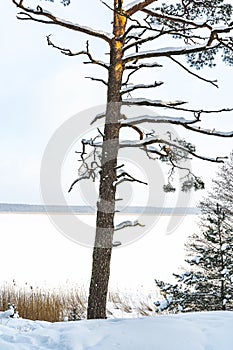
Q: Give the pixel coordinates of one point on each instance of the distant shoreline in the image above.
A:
(11, 208)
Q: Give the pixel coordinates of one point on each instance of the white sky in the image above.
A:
(40, 89)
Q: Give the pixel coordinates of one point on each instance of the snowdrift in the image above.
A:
(191, 331)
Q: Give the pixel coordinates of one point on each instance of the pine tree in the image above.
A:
(223, 186)
(208, 284)
(137, 37)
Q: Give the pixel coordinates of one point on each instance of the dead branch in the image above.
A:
(143, 65)
(97, 79)
(134, 127)
(136, 67)
(125, 224)
(138, 7)
(142, 41)
(152, 103)
(212, 132)
(123, 176)
(200, 111)
(140, 86)
(213, 82)
(68, 52)
(47, 17)
(177, 19)
(85, 177)
(97, 117)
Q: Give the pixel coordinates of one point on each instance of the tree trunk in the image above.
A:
(106, 204)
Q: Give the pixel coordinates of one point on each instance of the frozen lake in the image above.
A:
(34, 251)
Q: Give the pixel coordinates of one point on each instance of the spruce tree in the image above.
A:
(208, 283)
(223, 186)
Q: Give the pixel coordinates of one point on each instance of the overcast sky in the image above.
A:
(41, 89)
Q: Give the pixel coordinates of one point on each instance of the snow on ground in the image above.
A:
(191, 331)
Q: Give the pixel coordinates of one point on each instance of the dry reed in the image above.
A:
(55, 305)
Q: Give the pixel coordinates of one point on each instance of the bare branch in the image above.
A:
(136, 67)
(68, 52)
(124, 176)
(141, 41)
(200, 111)
(97, 117)
(97, 79)
(134, 127)
(140, 86)
(116, 244)
(137, 6)
(85, 177)
(125, 224)
(48, 18)
(177, 19)
(213, 82)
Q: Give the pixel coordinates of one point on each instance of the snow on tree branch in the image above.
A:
(169, 51)
(127, 223)
(152, 103)
(178, 121)
(158, 119)
(212, 132)
(137, 5)
(47, 17)
(140, 86)
(157, 140)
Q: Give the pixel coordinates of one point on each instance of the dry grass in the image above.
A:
(55, 305)
(48, 305)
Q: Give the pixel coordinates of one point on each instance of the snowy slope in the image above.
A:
(193, 331)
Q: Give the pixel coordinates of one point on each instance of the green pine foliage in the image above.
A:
(208, 284)
(212, 12)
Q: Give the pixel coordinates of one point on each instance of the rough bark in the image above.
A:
(106, 204)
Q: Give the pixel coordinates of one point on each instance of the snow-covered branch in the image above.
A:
(158, 119)
(124, 176)
(186, 123)
(140, 86)
(169, 51)
(152, 103)
(47, 17)
(177, 19)
(128, 223)
(98, 117)
(212, 132)
(157, 140)
(137, 5)
(143, 65)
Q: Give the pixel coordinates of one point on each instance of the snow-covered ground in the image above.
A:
(191, 331)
